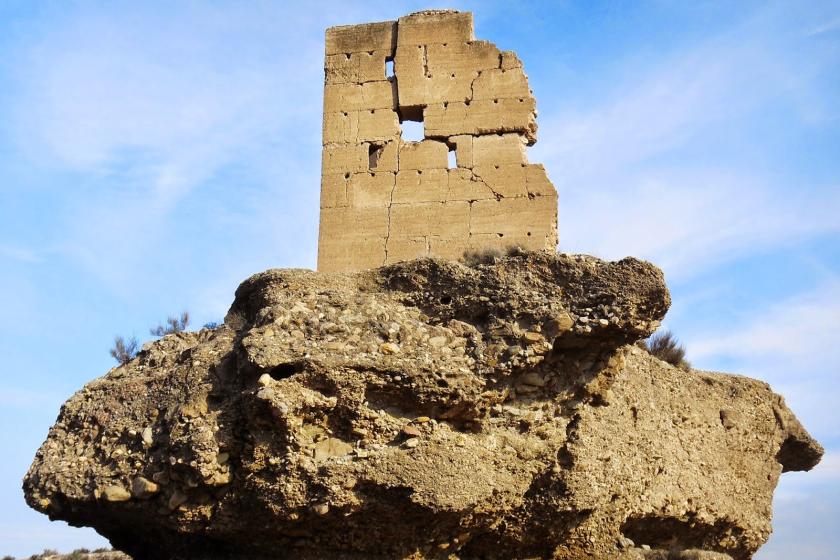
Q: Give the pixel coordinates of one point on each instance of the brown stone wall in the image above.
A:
(384, 199)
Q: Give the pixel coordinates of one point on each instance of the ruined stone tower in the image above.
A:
(384, 199)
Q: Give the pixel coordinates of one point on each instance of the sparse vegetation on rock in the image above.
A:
(173, 325)
(665, 346)
(123, 351)
(489, 255)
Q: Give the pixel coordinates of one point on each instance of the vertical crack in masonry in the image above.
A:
(390, 208)
(398, 109)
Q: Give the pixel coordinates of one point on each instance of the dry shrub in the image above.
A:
(476, 257)
(173, 325)
(124, 350)
(666, 347)
(490, 255)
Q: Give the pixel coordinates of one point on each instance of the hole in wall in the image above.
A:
(389, 68)
(412, 131)
(283, 371)
(374, 153)
(452, 160)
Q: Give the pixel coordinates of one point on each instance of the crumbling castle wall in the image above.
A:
(384, 199)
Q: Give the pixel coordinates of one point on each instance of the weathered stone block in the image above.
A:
(461, 58)
(362, 38)
(510, 60)
(404, 248)
(506, 180)
(524, 217)
(439, 26)
(498, 149)
(353, 253)
(485, 116)
(414, 185)
(428, 154)
(341, 127)
(378, 124)
(370, 189)
(446, 219)
(347, 158)
(536, 181)
(334, 190)
(463, 185)
(347, 223)
(498, 83)
(355, 97)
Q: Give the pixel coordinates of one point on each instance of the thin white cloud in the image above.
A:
(803, 330)
(824, 28)
(150, 105)
(690, 220)
(617, 197)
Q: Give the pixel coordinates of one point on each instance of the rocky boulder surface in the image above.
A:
(425, 409)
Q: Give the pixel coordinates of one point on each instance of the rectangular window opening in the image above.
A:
(389, 68)
(453, 160)
(374, 153)
(412, 131)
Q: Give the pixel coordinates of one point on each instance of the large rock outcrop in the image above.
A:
(425, 409)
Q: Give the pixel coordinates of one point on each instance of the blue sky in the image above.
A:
(155, 154)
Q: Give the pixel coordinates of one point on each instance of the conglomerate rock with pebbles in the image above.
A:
(426, 409)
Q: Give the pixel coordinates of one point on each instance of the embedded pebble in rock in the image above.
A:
(411, 431)
(147, 436)
(532, 378)
(331, 447)
(114, 493)
(143, 488)
(389, 348)
(321, 509)
(533, 337)
(269, 442)
(437, 341)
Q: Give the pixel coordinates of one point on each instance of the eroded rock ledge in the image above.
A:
(423, 410)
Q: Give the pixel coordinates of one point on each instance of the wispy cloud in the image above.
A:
(827, 27)
(802, 330)
(691, 108)
(146, 123)
(690, 220)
